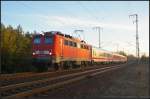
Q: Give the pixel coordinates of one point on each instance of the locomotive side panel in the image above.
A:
(57, 49)
(69, 50)
(74, 52)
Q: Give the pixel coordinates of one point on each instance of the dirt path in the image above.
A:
(131, 81)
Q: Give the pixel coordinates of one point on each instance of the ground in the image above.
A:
(131, 82)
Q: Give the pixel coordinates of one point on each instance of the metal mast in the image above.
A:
(75, 31)
(137, 37)
(99, 29)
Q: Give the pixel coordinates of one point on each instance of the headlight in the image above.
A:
(50, 53)
(33, 53)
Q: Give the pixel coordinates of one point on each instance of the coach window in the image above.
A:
(88, 47)
(105, 54)
(93, 52)
(109, 55)
(84, 46)
(48, 40)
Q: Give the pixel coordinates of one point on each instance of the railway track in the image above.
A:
(17, 91)
(15, 75)
(28, 74)
(8, 79)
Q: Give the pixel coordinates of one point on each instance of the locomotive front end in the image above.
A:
(42, 50)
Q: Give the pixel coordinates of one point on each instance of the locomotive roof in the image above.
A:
(61, 34)
(37, 35)
(66, 36)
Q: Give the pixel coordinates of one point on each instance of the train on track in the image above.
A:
(61, 51)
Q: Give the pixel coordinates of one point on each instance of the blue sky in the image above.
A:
(118, 31)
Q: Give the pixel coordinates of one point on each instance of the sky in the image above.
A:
(117, 30)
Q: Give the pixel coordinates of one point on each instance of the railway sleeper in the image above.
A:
(45, 84)
(48, 85)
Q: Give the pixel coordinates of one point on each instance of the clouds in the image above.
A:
(66, 21)
(69, 22)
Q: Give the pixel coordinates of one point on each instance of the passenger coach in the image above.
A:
(102, 56)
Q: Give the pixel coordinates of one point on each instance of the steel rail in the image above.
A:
(5, 88)
(15, 74)
(32, 74)
(33, 90)
(35, 76)
(59, 84)
(8, 87)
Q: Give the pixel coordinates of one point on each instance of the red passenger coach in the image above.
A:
(54, 49)
(119, 58)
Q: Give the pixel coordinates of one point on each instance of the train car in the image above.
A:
(55, 49)
(102, 56)
(119, 58)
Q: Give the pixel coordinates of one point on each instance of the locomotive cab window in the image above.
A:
(70, 43)
(74, 44)
(48, 40)
(66, 42)
(37, 40)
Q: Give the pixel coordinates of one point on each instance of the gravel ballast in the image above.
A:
(131, 82)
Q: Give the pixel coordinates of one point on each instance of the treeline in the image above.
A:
(144, 59)
(16, 49)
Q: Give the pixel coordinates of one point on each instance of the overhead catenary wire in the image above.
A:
(93, 16)
(62, 23)
(88, 11)
(75, 26)
(32, 8)
(66, 10)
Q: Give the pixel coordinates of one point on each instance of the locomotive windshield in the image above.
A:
(37, 40)
(48, 40)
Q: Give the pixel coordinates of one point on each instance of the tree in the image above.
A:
(144, 58)
(19, 29)
(15, 48)
(122, 53)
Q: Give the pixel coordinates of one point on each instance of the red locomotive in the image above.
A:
(58, 50)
